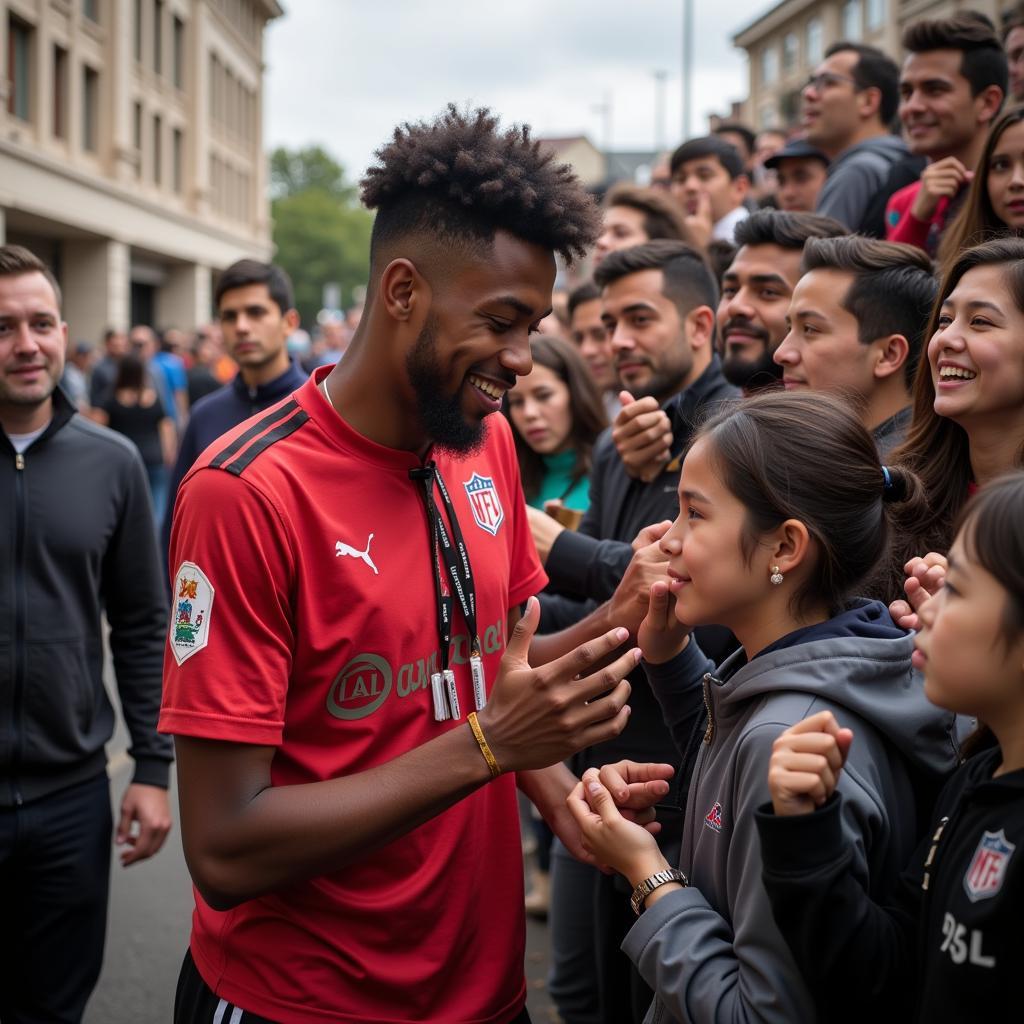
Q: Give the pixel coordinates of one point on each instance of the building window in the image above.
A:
(178, 41)
(19, 68)
(158, 36)
(790, 51)
(60, 92)
(91, 9)
(177, 160)
(876, 13)
(852, 20)
(815, 48)
(157, 149)
(90, 110)
(138, 31)
(769, 64)
(137, 137)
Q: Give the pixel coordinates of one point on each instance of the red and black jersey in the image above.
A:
(305, 618)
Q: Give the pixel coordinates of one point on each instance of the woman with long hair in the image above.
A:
(134, 409)
(995, 202)
(557, 414)
(967, 425)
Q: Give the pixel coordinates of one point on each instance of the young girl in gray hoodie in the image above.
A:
(783, 511)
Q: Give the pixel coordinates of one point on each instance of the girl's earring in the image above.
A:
(777, 576)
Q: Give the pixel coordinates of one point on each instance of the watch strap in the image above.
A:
(649, 884)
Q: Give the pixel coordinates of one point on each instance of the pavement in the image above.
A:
(148, 929)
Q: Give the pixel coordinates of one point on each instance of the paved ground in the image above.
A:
(148, 931)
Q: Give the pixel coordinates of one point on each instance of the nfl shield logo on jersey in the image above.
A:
(987, 869)
(485, 503)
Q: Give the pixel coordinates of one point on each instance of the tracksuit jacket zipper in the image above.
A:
(20, 619)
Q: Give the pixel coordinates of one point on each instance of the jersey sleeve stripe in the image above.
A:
(262, 424)
(281, 431)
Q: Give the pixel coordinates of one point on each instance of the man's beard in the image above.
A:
(664, 382)
(441, 415)
(746, 373)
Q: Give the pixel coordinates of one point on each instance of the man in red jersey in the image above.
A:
(348, 566)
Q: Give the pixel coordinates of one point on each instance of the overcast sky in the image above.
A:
(343, 73)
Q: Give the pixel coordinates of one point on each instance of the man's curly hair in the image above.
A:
(461, 178)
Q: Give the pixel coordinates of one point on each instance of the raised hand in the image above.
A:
(536, 717)
(700, 225)
(925, 577)
(805, 764)
(642, 435)
(628, 605)
(661, 635)
(941, 179)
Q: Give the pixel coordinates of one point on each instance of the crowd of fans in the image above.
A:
(774, 429)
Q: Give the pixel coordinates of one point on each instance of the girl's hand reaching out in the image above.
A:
(612, 839)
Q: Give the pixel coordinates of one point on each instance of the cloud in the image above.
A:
(346, 74)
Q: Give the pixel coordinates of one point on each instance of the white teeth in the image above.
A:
(488, 389)
(947, 372)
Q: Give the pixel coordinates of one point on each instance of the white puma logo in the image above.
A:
(363, 556)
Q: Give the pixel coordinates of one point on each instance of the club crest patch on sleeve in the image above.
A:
(190, 612)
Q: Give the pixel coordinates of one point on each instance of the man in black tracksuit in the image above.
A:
(951, 944)
(659, 301)
(76, 542)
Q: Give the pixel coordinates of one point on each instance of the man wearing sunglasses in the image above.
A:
(848, 105)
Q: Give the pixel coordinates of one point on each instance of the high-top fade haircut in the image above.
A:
(983, 62)
(457, 180)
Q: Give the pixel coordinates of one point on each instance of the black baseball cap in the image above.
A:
(796, 148)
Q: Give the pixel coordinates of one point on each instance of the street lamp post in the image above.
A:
(659, 109)
(687, 64)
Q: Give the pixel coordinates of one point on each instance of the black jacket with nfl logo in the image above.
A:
(951, 948)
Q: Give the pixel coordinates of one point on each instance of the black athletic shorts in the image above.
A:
(196, 1003)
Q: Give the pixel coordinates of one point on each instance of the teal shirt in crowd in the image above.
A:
(557, 480)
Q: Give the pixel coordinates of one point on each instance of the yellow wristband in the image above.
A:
(478, 735)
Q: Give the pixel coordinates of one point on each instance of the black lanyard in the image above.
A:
(450, 549)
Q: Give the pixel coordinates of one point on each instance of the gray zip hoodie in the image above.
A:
(712, 951)
(856, 175)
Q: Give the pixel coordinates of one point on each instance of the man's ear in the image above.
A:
(292, 320)
(403, 291)
(889, 356)
(740, 187)
(699, 326)
(987, 104)
(869, 101)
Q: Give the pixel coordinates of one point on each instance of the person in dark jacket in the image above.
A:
(949, 940)
(257, 315)
(659, 301)
(76, 542)
(778, 525)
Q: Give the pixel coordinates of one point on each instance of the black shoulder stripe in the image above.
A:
(263, 423)
(281, 431)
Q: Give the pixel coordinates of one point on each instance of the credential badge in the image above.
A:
(987, 869)
(485, 503)
(190, 612)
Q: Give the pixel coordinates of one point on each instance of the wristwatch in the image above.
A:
(648, 885)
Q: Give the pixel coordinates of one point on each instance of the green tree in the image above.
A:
(321, 232)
